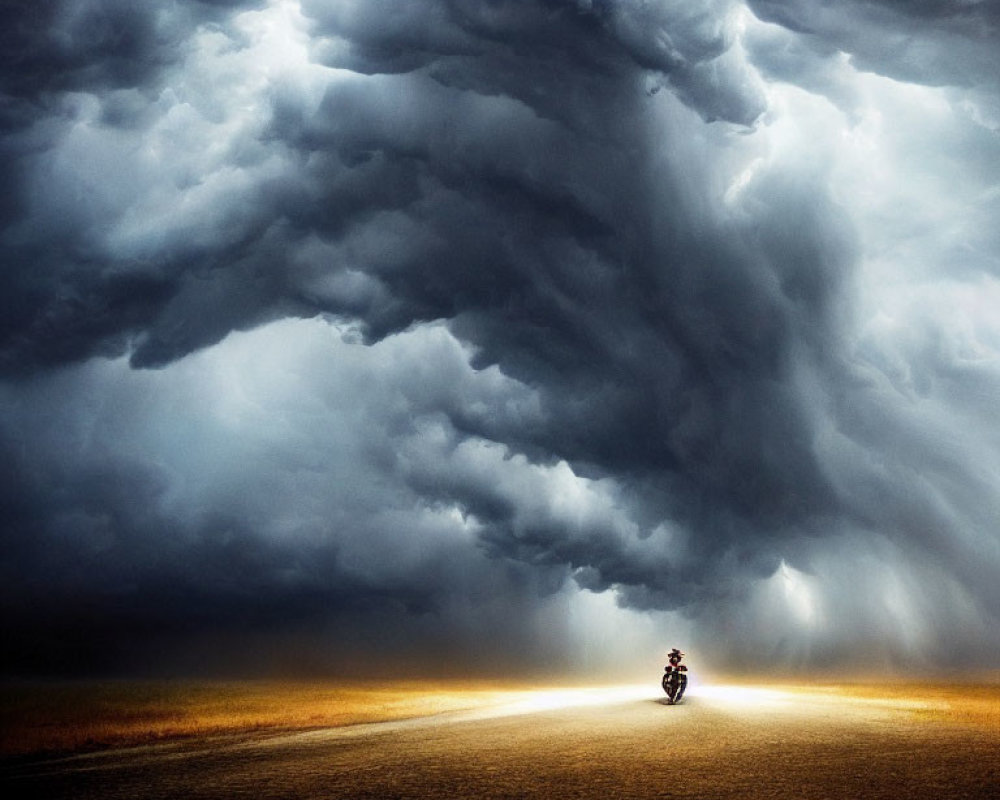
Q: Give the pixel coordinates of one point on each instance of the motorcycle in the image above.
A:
(675, 678)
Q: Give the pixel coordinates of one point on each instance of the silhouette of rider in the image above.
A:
(675, 675)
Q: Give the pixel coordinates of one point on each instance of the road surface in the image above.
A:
(720, 743)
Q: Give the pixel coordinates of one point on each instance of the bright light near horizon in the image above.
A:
(728, 695)
(741, 696)
(731, 696)
(551, 699)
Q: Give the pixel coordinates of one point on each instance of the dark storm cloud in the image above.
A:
(140, 535)
(91, 44)
(558, 60)
(56, 305)
(663, 390)
(937, 42)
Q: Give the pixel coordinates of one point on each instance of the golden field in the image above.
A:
(800, 740)
(75, 717)
(70, 717)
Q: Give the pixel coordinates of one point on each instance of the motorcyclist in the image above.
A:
(674, 677)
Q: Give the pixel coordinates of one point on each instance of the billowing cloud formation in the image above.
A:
(419, 332)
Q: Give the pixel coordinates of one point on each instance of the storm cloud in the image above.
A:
(499, 335)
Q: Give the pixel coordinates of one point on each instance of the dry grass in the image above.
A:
(807, 740)
(970, 703)
(73, 717)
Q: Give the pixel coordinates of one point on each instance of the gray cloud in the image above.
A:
(425, 321)
(937, 42)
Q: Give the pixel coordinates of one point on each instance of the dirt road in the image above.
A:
(719, 743)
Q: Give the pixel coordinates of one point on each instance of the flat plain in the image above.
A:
(771, 741)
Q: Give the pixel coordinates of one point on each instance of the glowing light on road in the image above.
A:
(731, 697)
(741, 696)
(549, 699)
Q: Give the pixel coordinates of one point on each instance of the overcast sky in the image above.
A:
(499, 335)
